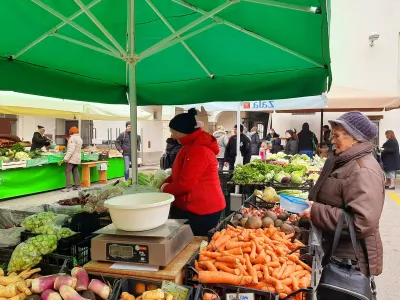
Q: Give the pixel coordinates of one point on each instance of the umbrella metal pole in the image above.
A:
(239, 158)
(132, 88)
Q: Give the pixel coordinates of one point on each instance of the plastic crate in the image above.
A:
(129, 285)
(87, 223)
(50, 264)
(224, 289)
(306, 186)
(62, 244)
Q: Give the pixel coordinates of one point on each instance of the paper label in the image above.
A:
(203, 245)
(240, 296)
(177, 291)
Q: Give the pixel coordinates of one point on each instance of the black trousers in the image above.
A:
(200, 224)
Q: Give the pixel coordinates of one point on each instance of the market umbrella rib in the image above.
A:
(100, 26)
(76, 26)
(253, 34)
(154, 8)
(55, 29)
(309, 9)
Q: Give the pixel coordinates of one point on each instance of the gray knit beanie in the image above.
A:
(357, 125)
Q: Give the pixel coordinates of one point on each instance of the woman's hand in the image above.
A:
(307, 213)
(163, 186)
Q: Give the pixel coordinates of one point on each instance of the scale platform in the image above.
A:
(156, 247)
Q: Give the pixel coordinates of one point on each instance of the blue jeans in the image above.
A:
(127, 163)
(309, 153)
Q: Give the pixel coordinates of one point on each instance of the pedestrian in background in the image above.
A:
(276, 146)
(73, 159)
(390, 159)
(327, 138)
(123, 145)
(222, 140)
(171, 151)
(255, 141)
(291, 147)
(272, 135)
(245, 148)
(308, 142)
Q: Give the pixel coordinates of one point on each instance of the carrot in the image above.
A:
(229, 265)
(258, 286)
(250, 270)
(235, 251)
(273, 264)
(216, 236)
(246, 250)
(299, 268)
(295, 282)
(289, 236)
(301, 274)
(253, 251)
(222, 267)
(228, 259)
(266, 273)
(282, 295)
(209, 296)
(231, 245)
(269, 288)
(262, 258)
(196, 266)
(287, 272)
(304, 282)
(221, 241)
(204, 258)
(257, 267)
(287, 282)
(239, 257)
(242, 270)
(207, 265)
(223, 277)
(211, 254)
(260, 275)
(277, 284)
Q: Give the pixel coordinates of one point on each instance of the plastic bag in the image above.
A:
(159, 177)
(32, 223)
(44, 243)
(137, 189)
(25, 256)
(315, 243)
(10, 237)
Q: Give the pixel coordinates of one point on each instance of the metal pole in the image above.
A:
(239, 158)
(321, 130)
(132, 88)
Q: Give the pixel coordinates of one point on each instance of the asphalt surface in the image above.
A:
(388, 283)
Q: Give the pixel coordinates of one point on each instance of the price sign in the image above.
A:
(203, 245)
(240, 296)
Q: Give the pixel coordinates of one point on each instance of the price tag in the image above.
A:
(177, 291)
(103, 167)
(240, 296)
(203, 245)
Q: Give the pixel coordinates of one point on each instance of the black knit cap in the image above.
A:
(184, 123)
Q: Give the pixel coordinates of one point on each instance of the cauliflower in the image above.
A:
(270, 195)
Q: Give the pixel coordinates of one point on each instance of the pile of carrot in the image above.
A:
(255, 258)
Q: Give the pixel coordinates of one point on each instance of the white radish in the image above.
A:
(39, 285)
(99, 288)
(65, 280)
(82, 278)
(50, 295)
(68, 293)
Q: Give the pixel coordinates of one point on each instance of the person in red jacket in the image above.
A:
(194, 180)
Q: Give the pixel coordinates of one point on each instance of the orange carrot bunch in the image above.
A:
(255, 258)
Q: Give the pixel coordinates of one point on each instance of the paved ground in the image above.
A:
(388, 283)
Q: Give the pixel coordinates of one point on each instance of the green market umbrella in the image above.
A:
(164, 52)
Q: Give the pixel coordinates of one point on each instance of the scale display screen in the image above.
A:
(128, 253)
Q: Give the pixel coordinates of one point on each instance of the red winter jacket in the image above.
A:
(194, 180)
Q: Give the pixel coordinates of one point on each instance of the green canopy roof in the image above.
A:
(191, 51)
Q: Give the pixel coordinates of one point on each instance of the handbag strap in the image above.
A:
(338, 232)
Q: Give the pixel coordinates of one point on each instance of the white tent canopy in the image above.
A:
(340, 97)
(13, 103)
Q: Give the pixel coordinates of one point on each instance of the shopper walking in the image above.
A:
(327, 138)
(123, 145)
(276, 146)
(230, 151)
(255, 141)
(222, 140)
(194, 180)
(171, 151)
(292, 145)
(73, 159)
(390, 159)
(308, 142)
(351, 180)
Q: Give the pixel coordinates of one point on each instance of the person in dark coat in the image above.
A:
(171, 151)
(308, 142)
(276, 146)
(291, 147)
(230, 151)
(123, 145)
(39, 140)
(272, 135)
(390, 159)
(255, 141)
(327, 139)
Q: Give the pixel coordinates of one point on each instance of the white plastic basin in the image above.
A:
(139, 212)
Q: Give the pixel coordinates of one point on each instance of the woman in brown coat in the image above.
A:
(352, 180)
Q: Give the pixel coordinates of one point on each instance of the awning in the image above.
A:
(13, 103)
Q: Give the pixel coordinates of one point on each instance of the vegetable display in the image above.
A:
(255, 172)
(44, 223)
(157, 294)
(258, 259)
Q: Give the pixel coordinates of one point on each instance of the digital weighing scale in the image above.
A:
(156, 247)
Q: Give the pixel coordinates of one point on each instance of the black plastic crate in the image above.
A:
(87, 223)
(64, 243)
(306, 186)
(50, 264)
(130, 285)
(223, 289)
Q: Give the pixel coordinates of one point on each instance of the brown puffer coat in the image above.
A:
(358, 185)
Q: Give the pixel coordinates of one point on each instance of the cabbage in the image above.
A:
(282, 177)
(305, 157)
(22, 156)
(296, 179)
(313, 177)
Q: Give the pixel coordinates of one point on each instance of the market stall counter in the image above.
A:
(47, 177)
(174, 271)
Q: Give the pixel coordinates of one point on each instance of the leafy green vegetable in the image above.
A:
(255, 172)
(17, 147)
(290, 168)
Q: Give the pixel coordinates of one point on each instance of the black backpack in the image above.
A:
(165, 162)
(341, 278)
